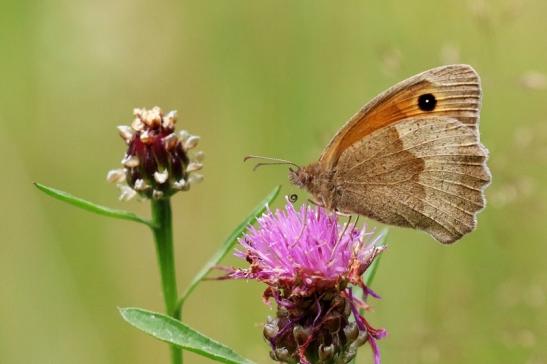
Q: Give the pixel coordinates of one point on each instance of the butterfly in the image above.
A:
(411, 157)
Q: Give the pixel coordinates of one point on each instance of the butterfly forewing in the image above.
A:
(454, 88)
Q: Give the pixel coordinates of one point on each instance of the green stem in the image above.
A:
(163, 235)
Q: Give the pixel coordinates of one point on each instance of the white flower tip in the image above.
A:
(137, 124)
(170, 141)
(152, 117)
(161, 177)
(127, 193)
(126, 132)
(141, 185)
(170, 119)
(195, 178)
(116, 176)
(191, 142)
(184, 135)
(156, 194)
(199, 156)
(180, 185)
(130, 161)
(145, 137)
(194, 166)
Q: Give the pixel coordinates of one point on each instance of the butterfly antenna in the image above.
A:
(270, 161)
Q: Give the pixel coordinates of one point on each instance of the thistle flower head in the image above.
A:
(310, 263)
(158, 161)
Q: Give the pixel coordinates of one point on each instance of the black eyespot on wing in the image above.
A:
(427, 102)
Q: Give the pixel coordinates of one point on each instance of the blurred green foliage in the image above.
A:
(266, 77)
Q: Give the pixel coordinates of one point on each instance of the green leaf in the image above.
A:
(168, 329)
(90, 206)
(369, 274)
(228, 244)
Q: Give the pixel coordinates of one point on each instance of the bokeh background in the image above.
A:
(269, 77)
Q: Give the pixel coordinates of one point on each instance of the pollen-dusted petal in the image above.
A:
(137, 124)
(195, 178)
(170, 141)
(116, 175)
(131, 161)
(191, 142)
(141, 185)
(145, 137)
(199, 156)
(127, 193)
(184, 135)
(170, 119)
(194, 166)
(152, 117)
(138, 112)
(162, 176)
(126, 132)
(180, 184)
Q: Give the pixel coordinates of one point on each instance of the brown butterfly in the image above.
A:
(411, 157)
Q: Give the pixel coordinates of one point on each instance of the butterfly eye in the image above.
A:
(427, 102)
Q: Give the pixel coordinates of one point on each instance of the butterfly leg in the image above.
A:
(344, 214)
(316, 203)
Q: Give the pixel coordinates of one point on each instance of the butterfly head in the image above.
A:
(300, 177)
(268, 161)
(310, 177)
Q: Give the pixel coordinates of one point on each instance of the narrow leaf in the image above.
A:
(168, 329)
(228, 244)
(369, 274)
(90, 206)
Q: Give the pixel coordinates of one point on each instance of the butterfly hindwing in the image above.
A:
(425, 173)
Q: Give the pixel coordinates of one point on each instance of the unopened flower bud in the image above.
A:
(157, 163)
(191, 142)
(270, 330)
(281, 354)
(326, 353)
(351, 331)
(301, 335)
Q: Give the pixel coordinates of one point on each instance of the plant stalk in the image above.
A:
(163, 236)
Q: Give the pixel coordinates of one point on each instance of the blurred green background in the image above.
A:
(268, 77)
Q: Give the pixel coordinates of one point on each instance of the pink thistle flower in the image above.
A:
(310, 262)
